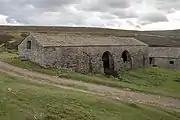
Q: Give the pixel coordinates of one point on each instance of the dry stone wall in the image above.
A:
(34, 54)
(89, 59)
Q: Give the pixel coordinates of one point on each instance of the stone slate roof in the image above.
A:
(164, 52)
(158, 40)
(48, 40)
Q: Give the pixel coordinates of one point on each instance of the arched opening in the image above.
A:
(108, 63)
(126, 56)
(127, 60)
(144, 61)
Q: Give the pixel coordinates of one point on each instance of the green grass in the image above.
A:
(152, 80)
(24, 100)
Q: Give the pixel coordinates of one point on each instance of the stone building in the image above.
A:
(84, 53)
(165, 57)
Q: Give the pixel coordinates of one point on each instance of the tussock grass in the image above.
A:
(25, 100)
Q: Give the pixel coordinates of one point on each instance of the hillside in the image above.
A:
(152, 38)
(25, 100)
(35, 100)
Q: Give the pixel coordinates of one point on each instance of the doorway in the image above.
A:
(127, 59)
(108, 63)
(126, 56)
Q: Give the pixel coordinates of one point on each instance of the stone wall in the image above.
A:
(89, 59)
(162, 56)
(165, 63)
(34, 54)
(82, 59)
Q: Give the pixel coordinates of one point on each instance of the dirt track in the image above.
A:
(130, 96)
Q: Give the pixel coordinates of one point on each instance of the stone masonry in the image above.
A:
(83, 53)
(166, 57)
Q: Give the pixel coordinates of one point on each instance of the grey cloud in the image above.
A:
(11, 20)
(152, 18)
(58, 12)
(20, 10)
(124, 13)
(105, 6)
(107, 16)
(50, 4)
(114, 3)
(167, 4)
(114, 7)
(132, 24)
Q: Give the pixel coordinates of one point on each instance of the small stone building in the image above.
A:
(84, 53)
(165, 57)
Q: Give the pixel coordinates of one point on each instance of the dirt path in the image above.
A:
(129, 96)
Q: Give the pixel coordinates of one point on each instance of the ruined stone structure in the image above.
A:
(166, 57)
(84, 53)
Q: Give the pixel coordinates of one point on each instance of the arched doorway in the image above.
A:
(127, 58)
(108, 63)
(144, 61)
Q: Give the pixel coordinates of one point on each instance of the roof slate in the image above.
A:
(47, 40)
(164, 52)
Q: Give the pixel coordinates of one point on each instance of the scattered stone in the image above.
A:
(21, 110)
(117, 98)
(1, 45)
(127, 89)
(35, 117)
(9, 89)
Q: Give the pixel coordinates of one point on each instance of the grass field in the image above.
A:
(152, 80)
(24, 100)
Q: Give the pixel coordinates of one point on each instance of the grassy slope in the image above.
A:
(153, 80)
(23, 100)
(11, 40)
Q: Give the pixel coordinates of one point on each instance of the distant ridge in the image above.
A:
(160, 38)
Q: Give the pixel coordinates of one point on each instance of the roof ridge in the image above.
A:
(63, 39)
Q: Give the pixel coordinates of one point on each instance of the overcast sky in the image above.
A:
(121, 14)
